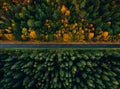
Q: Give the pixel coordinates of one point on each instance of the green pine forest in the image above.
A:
(60, 69)
(60, 20)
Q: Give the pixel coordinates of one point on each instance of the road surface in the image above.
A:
(59, 45)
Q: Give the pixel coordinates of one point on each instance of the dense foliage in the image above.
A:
(59, 69)
(61, 20)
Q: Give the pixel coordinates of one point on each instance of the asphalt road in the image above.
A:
(59, 45)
